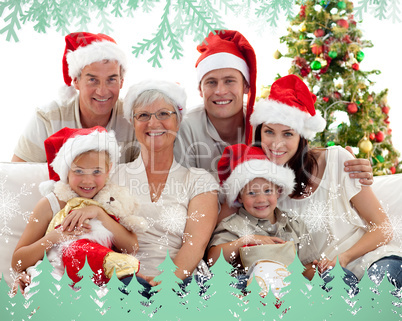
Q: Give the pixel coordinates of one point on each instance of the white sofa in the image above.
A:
(19, 194)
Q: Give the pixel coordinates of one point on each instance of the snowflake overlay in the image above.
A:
(320, 215)
(392, 230)
(173, 221)
(10, 206)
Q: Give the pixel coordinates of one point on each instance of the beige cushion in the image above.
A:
(19, 194)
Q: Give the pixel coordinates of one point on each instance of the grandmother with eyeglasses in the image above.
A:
(180, 204)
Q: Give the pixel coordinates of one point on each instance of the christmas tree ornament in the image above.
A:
(337, 95)
(303, 51)
(332, 54)
(277, 54)
(302, 27)
(392, 169)
(385, 110)
(341, 5)
(319, 33)
(322, 61)
(386, 120)
(323, 2)
(343, 23)
(372, 136)
(370, 98)
(355, 66)
(265, 92)
(379, 137)
(330, 143)
(316, 49)
(315, 65)
(360, 56)
(365, 146)
(352, 108)
(325, 98)
(301, 37)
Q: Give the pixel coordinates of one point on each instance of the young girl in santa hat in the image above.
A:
(82, 214)
(345, 219)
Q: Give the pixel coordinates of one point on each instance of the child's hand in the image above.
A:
(263, 239)
(59, 235)
(77, 218)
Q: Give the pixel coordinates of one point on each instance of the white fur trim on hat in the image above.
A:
(75, 146)
(94, 52)
(171, 89)
(249, 170)
(274, 112)
(222, 60)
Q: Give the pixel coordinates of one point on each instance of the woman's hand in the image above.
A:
(149, 279)
(326, 264)
(21, 282)
(76, 218)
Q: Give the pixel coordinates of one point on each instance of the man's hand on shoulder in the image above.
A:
(359, 168)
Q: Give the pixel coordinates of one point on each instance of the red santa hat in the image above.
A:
(240, 164)
(171, 89)
(65, 145)
(230, 49)
(290, 103)
(84, 48)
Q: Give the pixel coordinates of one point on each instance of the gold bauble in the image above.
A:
(277, 54)
(303, 27)
(264, 93)
(365, 145)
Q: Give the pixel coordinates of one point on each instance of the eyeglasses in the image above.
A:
(160, 115)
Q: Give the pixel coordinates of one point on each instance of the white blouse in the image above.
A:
(168, 216)
(333, 224)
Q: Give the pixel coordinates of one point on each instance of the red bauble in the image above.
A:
(379, 137)
(337, 95)
(316, 49)
(389, 131)
(352, 108)
(392, 169)
(355, 66)
(326, 99)
(385, 109)
(372, 136)
(342, 23)
(319, 33)
(346, 39)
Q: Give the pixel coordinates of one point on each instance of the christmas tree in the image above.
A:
(327, 49)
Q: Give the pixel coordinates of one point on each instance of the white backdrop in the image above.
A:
(32, 74)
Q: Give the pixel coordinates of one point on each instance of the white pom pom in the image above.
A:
(46, 187)
(66, 94)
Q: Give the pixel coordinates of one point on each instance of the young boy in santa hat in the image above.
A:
(82, 215)
(253, 184)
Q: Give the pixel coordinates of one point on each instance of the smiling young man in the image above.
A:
(93, 71)
(226, 71)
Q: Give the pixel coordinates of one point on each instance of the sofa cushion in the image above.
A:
(19, 194)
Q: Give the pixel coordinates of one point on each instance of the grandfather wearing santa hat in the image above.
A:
(93, 71)
(226, 71)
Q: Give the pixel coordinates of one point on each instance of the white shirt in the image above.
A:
(333, 224)
(168, 216)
